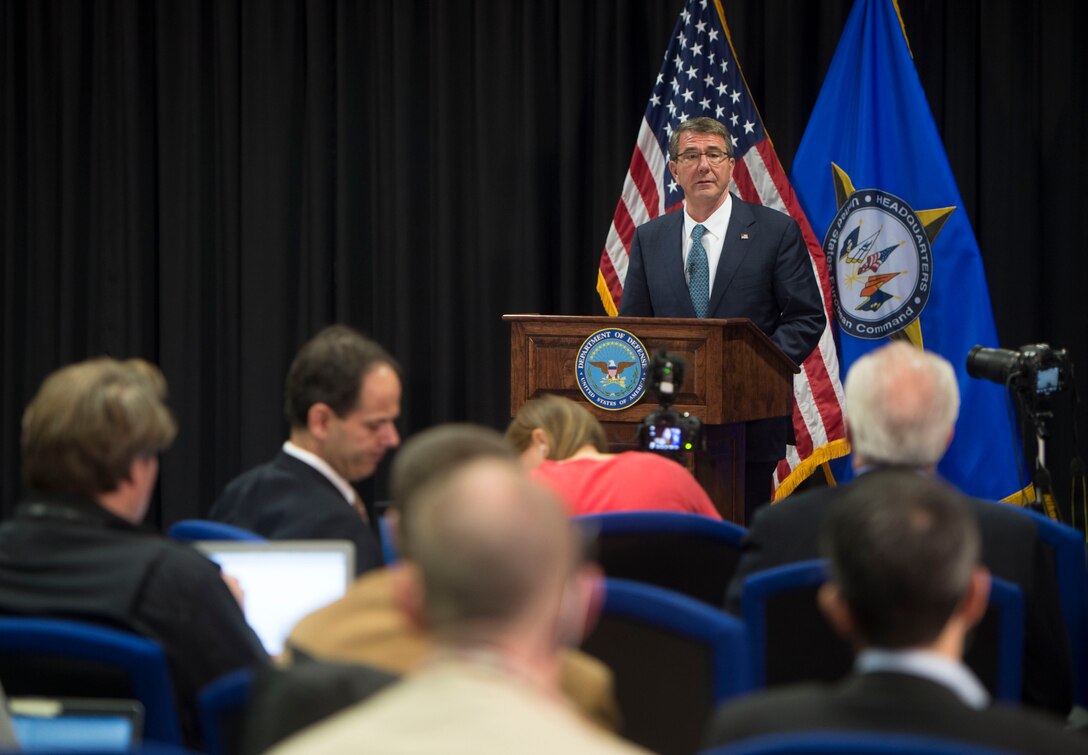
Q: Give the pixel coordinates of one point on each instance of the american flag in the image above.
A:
(700, 77)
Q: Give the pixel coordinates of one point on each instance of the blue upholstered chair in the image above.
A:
(791, 641)
(686, 553)
(673, 659)
(222, 706)
(1069, 564)
(61, 658)
(189, 530)
(788, 635)
(389, 546)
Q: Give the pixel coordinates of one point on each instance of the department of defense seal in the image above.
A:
(881, 265)
(611, 369)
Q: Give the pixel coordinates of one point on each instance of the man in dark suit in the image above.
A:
(723, 257)
(906, 586)
(342, 400)
(902, 403)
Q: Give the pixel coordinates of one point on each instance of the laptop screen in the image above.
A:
(283, 580)
(86, 725)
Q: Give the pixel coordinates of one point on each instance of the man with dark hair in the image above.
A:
(723, 257)
(906, 586)
(902, 403)
(495, 579)
(367, 626)
(342, 401)
(75, 549)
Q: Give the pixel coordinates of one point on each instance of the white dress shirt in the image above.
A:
(936, 668)
(713, 239)
(323, 467)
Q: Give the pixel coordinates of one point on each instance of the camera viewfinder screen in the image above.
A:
(665, 438)
(1046, 381)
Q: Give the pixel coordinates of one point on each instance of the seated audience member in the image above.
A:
(902, 404)
(906, 586)
(342, 400)
(564, 447)
(495, 579)
(75, 549)
(367, 626)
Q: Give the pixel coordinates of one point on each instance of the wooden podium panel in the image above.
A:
(734, 374)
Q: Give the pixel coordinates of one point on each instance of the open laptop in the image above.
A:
(283, 580)
(83, 724)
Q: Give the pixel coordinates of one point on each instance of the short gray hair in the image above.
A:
(901, 405)
(701, 125)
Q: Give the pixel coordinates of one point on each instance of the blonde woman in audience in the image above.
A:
(564, 447)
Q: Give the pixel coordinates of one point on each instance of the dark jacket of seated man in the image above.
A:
(65, 557)
(906, 587)
(787, 532)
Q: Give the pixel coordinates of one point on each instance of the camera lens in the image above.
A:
(992, 364)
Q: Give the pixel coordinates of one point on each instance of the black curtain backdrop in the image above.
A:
(205, 183)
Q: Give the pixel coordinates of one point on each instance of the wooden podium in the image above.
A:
(734, 374)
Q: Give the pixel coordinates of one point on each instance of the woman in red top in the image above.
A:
(565, 448)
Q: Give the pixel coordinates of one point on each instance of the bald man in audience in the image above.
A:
(902, 404)
(367, 626)
(906, 587)
(495, 578)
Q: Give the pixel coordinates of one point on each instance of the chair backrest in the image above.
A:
(62, 658)
(222, 706)
(189, 530)
(1070, 567)
(996, 654)
(790, 639)
(848, 743)
(673, 659)
(389, 547)
(792, 642)
(686, 553)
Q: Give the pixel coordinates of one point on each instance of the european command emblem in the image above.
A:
(880, 262)
(611, 369)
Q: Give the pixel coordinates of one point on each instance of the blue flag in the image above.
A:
(873, 178)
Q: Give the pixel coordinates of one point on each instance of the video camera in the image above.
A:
(1033, 373)
(666, 431)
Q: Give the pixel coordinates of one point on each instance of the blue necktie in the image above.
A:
(698, 273)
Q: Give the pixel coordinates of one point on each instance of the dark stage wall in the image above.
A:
(205, 183)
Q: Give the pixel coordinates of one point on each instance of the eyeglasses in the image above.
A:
(713, 156)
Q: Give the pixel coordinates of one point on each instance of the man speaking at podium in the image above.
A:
(723, 257)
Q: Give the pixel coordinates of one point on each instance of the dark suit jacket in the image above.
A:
(890, 702)
(789, 531)
(764, 274)
(287, 499)
(286, 700)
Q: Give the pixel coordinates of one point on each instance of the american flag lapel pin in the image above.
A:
(744, 237)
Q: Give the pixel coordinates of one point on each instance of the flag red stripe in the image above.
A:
(745, 185)
(625, 227)
(611, 279)
(645, 181)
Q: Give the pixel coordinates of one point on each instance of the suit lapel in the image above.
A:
(733, 251)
